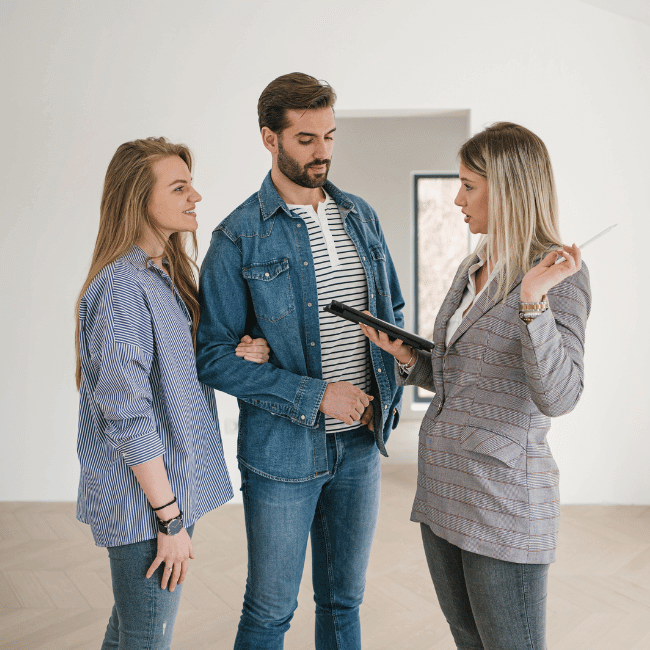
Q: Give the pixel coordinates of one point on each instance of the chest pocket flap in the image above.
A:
(379, 269)
(270, 287)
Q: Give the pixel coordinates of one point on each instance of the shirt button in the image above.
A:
(378, 369)
(385, 406)
(266, 275)
(312, 344)
(372, 295)
(306, 263)
(302, 417)
(298, 225)
(308, 304)
(363, 258)
(394, 411)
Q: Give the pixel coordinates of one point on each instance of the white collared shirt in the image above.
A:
(469, 296)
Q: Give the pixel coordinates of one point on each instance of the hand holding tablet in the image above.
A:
(394, 332)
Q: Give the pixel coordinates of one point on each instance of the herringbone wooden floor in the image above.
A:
(55, 584)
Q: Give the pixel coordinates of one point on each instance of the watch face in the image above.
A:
(175, 526)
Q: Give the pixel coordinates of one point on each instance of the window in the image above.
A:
(441, 244)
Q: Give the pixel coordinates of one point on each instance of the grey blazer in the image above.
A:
(487, 481)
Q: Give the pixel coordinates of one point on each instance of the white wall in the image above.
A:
(79, 78)
(375, 158)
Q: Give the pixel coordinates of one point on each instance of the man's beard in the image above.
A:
(295, 172)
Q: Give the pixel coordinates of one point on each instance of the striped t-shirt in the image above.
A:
(339, 276)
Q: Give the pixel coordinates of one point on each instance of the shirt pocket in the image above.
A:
(490, 443)
(379, 270)
(270, 287)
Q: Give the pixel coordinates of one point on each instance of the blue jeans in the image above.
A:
(143, 614)
(340, 511)
(489, 604)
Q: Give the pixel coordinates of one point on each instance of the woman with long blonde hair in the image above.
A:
(149, 445)
(508, 356)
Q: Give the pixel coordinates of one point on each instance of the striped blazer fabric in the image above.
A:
(487, 481)
(139, 399)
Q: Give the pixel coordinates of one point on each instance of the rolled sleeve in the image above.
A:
(123, 393)
(121, 347)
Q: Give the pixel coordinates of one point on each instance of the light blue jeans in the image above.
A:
(340, 511)
(489, 604)
(143, 614)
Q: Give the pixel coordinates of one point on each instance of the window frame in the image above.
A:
(416, 176)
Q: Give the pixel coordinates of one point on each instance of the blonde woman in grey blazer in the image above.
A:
(508, 356)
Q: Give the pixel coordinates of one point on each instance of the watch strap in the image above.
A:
(170, 527)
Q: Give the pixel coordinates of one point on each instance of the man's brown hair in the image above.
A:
(294, 91)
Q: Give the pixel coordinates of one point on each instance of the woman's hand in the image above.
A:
(255, 350)
(397, 348)
(175, 551)
(545, 275)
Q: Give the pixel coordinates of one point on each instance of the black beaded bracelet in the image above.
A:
(167, 504)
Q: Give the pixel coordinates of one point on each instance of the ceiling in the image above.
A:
(634, 9)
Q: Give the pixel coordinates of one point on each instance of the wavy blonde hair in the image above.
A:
(522, 200)
(124, 215)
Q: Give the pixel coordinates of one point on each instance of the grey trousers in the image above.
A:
(489, 604)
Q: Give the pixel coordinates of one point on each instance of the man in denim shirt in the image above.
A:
(313, 421)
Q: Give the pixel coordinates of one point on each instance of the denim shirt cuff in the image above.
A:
(308, 399)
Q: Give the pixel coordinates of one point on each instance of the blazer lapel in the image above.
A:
(450, 304)
(481, 306)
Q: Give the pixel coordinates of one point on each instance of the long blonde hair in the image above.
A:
(522, 200)
(124, 215)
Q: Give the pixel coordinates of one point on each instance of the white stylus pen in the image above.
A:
(594, 238)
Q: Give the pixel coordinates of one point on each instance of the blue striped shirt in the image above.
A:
(139, 399)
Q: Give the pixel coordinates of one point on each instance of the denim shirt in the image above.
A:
(258, 278)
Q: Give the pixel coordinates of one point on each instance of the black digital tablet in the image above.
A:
(394, 332)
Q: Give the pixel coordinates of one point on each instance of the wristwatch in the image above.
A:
(528, 311)
(171, 526)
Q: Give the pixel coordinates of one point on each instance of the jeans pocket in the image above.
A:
(243, 472)
(270, 287)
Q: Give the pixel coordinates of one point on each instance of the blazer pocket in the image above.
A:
(270, 288)
(489, 443)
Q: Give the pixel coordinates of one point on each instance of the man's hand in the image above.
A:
(344, 402)
(366, 418)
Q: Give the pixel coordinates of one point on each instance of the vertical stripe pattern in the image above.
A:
(139, 399)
